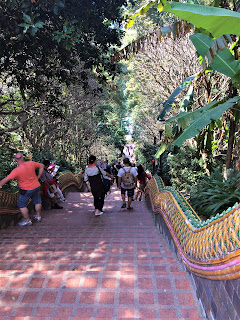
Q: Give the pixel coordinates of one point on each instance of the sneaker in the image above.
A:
(37, 218)
(98, 213)
(56, 206)
(25, 223)
(123, 205)
(130, 208)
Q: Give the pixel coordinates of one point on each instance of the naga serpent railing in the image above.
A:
(209, 249)
(8, 201)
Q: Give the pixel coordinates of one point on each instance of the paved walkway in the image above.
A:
(74, 265)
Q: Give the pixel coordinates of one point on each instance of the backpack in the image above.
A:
(128, 179)
(106, 182)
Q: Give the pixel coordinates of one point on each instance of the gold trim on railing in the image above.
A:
(8, 201)
(211, 251)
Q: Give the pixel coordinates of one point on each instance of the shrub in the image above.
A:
(185, 169)
(64, 164)
(7, 164)
(215, 194)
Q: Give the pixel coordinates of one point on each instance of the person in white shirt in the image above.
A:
(127, 182)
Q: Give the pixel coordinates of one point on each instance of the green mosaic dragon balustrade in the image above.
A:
(209, 249)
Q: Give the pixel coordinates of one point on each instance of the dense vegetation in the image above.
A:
(61, 97)
(55, 74)
(196, 103)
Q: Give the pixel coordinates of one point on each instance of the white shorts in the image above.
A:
(52, 194)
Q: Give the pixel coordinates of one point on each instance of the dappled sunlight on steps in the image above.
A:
(74, 265)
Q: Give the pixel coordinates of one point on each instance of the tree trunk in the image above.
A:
(231, 139)
(232, 129)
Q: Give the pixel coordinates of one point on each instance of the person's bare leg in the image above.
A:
(24, 212)
(38, 208)
(124, 201)
(129, 202)
(137, 194)
(140, 196)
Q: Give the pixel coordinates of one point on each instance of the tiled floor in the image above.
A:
(74, 265)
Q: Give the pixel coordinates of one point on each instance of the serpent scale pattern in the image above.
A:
(211, 250)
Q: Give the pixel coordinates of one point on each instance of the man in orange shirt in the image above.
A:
(29, 187)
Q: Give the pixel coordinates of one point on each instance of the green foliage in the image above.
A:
(39, 156)
(215, 194)
(195, 121)
(185, 169)
(223, 61)
(112, 125)
(7, 164)
(64, 164)
(43, 42)
(46, 29)
(167, 105)
(146, 154)
(161, 150)
(163, 170)
(191, 123)
(218, 21)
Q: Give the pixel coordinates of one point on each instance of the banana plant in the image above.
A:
(217, 21)
(190, 124)
(167, 105)
(194, 122)
(223, 60)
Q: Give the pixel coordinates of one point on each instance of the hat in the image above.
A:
(52, 165)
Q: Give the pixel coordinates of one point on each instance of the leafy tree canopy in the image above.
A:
(44, 38)
(47, 44)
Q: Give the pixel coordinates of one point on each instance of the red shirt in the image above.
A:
(25, 175)
(142, 178)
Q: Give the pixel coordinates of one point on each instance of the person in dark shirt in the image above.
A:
(141, 181)
(93, 177)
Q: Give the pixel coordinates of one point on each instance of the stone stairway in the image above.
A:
(74, 265)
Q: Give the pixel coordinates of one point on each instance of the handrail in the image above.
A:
(209, 249)
(8, 201)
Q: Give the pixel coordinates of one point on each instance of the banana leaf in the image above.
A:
(187, 102)
(184, 119)
(218, 21)
(143, 10)
(161, 150)
(209, 114)
(167, 105)
(223, 61)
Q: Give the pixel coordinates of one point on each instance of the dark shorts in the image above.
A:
(30, 194)
(130, 192)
